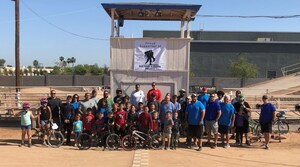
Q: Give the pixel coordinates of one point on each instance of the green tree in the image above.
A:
(5, 72)
(96, 70)
(55, 71)
(242, 68)
(2, 62)
(29, 70)
(80, 70)
(105, 69)
(10, 72)
(26, 71)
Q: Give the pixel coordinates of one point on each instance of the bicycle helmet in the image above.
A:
(281, 114)
(26, 105)
(44, 100)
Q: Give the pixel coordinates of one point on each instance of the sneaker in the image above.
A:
(44, 143)
(207, 144)
(214, 146)
(226, 146)
(162, 147)
(267, 147)
(199, 149)
(29, 145)
(21, 145)
(189, 147)
(168, 148)
(248, 143)
(75, 145)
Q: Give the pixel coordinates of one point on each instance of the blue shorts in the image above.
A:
(44, 122)
(27, 127)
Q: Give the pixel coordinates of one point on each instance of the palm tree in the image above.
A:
(36, 64)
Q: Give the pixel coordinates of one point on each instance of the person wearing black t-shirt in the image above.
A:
(67, 116)
(54, 103)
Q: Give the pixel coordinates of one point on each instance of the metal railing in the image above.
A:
(290, 69)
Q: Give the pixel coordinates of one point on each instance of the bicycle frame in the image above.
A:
(138, 134)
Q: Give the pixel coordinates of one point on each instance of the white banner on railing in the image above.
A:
(150, 56)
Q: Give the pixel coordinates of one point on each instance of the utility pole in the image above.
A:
(17, 45)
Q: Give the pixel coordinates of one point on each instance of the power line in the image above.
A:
(59, 28)
(251, 17)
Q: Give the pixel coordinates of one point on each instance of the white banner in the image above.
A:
(150, 56)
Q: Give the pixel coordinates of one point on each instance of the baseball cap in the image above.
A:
(265, 97)
(204, 89)
(194, 95)
(182, 90)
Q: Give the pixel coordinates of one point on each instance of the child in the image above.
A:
(156, 123)
(175, 131)
(239, 127)
(88, 121)
(104, 108)
(111, 122)
(100, 123)
(77, 127)
(145, 121)
(26, 117)
(167, 131)
(132, 116)
(44, 116)
(140, 108)
(152, 108)
(121, 120)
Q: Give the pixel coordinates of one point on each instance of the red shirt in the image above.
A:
(145, 120)
(88, 122)
(157, 92)
(121, 118)
(156, 124)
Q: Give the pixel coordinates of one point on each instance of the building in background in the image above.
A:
(211, 52)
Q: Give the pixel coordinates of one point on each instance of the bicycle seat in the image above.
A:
(281, 114)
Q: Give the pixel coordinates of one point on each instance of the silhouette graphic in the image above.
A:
(149, 56)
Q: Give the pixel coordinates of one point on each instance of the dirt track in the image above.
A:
(281, 154)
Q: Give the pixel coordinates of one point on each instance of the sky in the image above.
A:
(45, 43)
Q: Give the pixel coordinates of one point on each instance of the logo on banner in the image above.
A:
(150, 56)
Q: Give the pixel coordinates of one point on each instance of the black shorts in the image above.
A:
(266, 127)
(241, 129)
(223, 129)
(195, 131)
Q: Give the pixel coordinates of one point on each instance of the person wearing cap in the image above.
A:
(212, 115)
(181, 97)
(244, 106)
(156, 91)
(153, 100)
(106, 97)
(237, 96)
(137, 95)
(266, 117)
(204, 97)
(194, 116)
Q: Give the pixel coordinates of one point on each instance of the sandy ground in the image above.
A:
(286, 153)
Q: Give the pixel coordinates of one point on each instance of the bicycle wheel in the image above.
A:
(283, 127)
(129, 143)
(113, 141)
(156, 141)
(84, 141)
(55, 139)
(34, 133)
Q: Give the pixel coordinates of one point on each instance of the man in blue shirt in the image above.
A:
(226, 120)
(267, 116)
(213, 113)
(204, 97)
(195, 113)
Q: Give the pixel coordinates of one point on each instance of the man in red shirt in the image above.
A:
(145, 120)
(121, 119)
(156, 91)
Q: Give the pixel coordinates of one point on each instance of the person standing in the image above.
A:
(156, 91)
(195, 113)
(137, 95)
(68, 113)
(166, 106)
(87, 103)
(266, 117)
(204, 97)
(154, 101)
(54, 103)
(243, 106)
(94, 96)
(226, 120)
(213, 113)
(145, 121)
(181, 97)
(237, 97)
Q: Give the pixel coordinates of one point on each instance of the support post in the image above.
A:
(182, 29)
(188, 29)
(112, 22)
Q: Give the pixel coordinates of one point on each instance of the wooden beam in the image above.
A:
(112, 22)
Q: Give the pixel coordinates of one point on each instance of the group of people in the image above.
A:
(172, 116)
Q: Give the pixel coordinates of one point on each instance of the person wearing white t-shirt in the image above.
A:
(137, 96)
